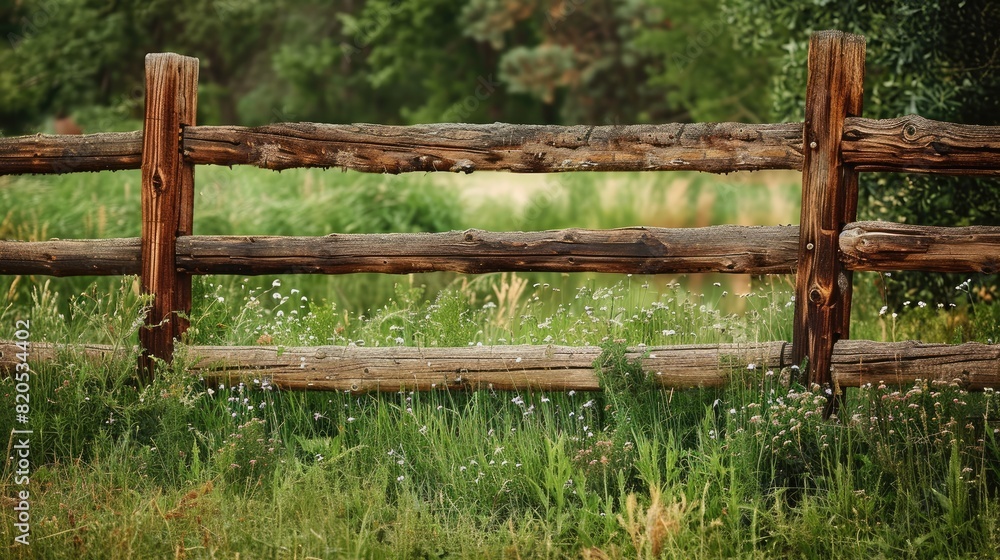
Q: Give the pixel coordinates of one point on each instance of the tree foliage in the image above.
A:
(66, 55)
(388, 61)
(936, 58)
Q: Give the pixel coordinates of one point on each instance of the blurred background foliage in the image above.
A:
(387, 61)
(521, 61)
(936, 58)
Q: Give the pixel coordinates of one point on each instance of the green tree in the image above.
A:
(66, 55)
(936, 58)
(388, 61)
(698, 64)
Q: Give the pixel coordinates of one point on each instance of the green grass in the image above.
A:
(183, 469)
(244, 201)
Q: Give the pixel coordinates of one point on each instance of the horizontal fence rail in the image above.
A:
(906, 144)
(914, 144)
(854, 363)
(713, 147)
(864, 246)
(885, 246)
(730, 249)
(46, 153)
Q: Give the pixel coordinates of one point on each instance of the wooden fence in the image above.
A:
(831, 147)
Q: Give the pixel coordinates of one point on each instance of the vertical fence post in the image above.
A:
(167, 201)
(829, 200)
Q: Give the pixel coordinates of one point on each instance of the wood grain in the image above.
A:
(914, 144)
(167, 201)
(728, 249)
(886, 246)
(829, 193)
(735, 249)
(864, 246)
(72, 257)
(854, 363)
(361, 369)
(972, 365)
(909, 144)
(46, 153)
(713, 147)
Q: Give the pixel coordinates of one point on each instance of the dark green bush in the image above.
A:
(938, 59)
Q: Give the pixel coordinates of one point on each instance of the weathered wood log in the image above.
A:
(829, 195)
(361, 369)
(886, 246)
(555, 368)
(911, 144)
(733, 249)
(855, 362)
(973, 365)
(736, 249)
(713, 147)
(864, 246)
(47, 352)
(73, 257)
(918, 145)
(45, 153)
(167, 201)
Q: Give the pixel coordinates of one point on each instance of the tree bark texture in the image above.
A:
(713, 147)
(886, 246)
(909, 144)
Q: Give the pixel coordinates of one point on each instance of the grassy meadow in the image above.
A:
(185, 469)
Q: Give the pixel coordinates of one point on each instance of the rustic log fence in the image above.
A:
(831, 147)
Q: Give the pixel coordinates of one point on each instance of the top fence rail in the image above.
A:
(907, 144)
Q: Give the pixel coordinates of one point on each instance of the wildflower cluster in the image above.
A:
(782, 424)
(249, 455)
(910, 430)
(251, 449)
(264, 316)
(601, 459)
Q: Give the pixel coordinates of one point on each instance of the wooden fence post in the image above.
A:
(829, 200)
(167, 201)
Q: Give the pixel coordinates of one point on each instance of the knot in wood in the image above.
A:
(463, 166)
(815, 295)
(157, 181)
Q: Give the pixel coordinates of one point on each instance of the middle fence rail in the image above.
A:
(831, 147)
